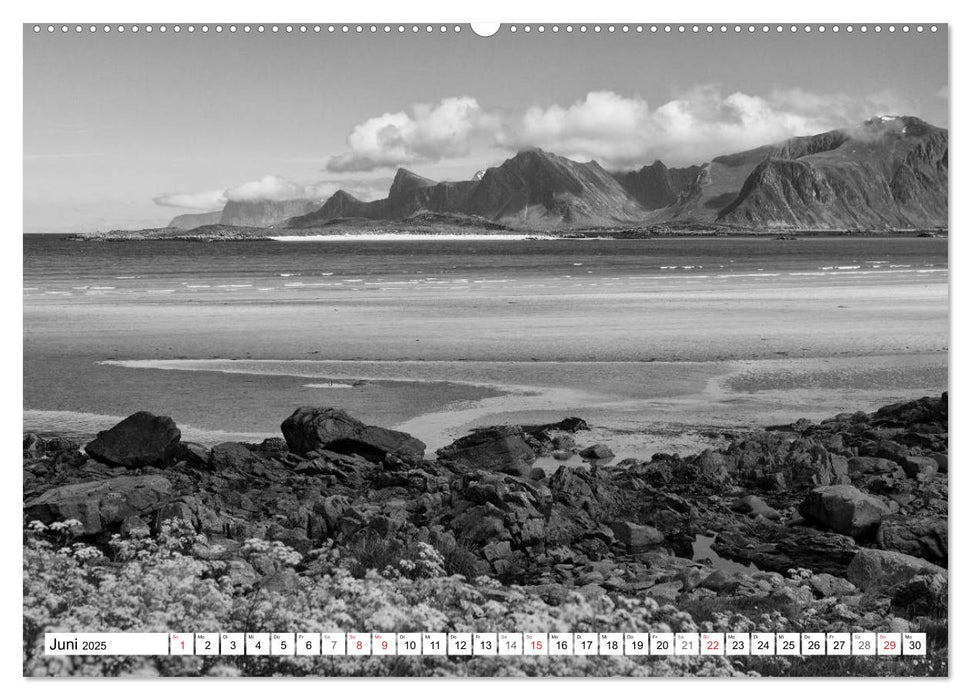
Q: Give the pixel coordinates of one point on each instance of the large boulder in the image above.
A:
(877, 569)
(101, 505)
(500, 448)
(844, 509)
(311, 429)
(919, 536)
(142, 439)
(774, 547)
(637, 538)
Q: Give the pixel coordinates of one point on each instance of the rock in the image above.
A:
(499, 448)
(598, 452)
(100, 505)
(637, 538)
(312, 429)
(877, 569)
(919, 536)
(193, 454)
(561, 455)
(233, 456)
(844, 509)
(925, 594)
(720, 582)
(567, 425)
(828, 585)
(919, 466)
(142, 439)
(537, 474)
(774, 547)
(755, 506)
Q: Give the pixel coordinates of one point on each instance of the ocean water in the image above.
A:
(661, 344)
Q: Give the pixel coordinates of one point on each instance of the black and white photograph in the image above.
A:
(451, 350)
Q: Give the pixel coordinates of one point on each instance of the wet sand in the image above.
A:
(674, 357)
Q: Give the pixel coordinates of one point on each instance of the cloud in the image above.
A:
(275, 189)
(623, 131)
(425, 133)
(200, 201)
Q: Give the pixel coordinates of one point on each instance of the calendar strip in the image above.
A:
(471, 644)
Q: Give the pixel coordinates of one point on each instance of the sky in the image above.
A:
(128, 130)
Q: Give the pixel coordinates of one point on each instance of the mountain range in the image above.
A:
(890, 172)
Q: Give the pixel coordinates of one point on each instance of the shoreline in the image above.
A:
(838, 525)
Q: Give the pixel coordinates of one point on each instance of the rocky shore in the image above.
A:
(832, 526)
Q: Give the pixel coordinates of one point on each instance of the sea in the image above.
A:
(664, 344)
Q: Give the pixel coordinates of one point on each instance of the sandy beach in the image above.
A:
(678, 352)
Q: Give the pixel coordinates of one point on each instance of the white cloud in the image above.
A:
(701, 123)
(267, 188)
(200, 201)
(425, 133)
(275, 189)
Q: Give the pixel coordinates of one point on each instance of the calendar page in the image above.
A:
(523, 349)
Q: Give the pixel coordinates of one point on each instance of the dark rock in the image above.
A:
(877, 569)
(100, 505)
(773, 547)
(827, 585)
(233, 456)
(919, 466)
(537, 474)
(925, 594)
(142, 439)
(922, 536)
(193, 454)
(637, 538)
(598, 453)
(844, 509)
(755, 506)
(720, 582)
(499, 448)
(309, 429)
